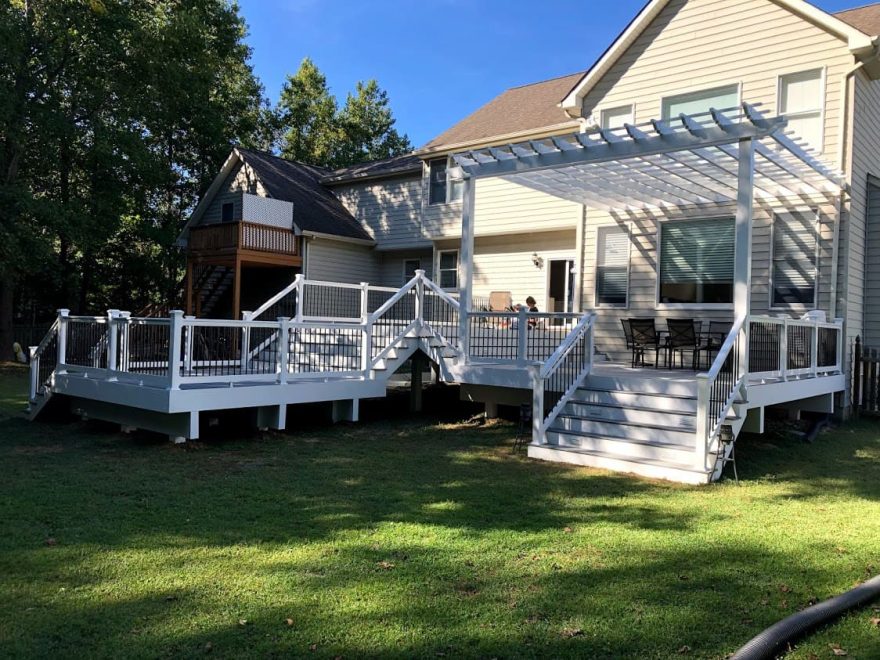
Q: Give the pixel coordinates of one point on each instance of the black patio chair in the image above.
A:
(627, 333)
(682, 338)
(644, 337)
(712, 340)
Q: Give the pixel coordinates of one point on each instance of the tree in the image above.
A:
(307, 117)
(367, 128)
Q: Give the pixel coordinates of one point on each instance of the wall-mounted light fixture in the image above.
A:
(537, 261)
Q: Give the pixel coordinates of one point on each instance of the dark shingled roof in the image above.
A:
(373, 169)
(866, 19)
(315, 208)
(519, 109)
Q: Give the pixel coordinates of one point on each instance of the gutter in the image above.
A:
(333, 237)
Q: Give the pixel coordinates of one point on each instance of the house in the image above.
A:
(716, 167)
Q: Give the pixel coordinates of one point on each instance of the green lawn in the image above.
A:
(416, 538)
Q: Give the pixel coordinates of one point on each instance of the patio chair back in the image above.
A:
(644, 332)
(682, 333)
(627, 332)
(718, 331)
(500, 301)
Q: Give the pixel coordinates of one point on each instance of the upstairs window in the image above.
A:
(800, 101)
(693, 103)
(410, 266)
(442, 188)
(447, 269)
(696, 261)
(612, 266)
(226, 212)
(616, 117)
(795, 243)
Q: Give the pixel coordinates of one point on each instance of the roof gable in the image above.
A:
(857, 41)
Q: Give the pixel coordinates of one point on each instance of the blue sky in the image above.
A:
(438, 59)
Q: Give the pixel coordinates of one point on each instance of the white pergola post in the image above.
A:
(466, 262)
(742, 267)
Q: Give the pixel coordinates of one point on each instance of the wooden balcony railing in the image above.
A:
(243, 236)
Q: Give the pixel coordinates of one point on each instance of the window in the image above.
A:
(410, 266)
(616, 117)
(795, 240)
(226, 212)
(612, 266)
(447, 269)
(442, 188)
(696, 261)
(800, 101)
(694, 103)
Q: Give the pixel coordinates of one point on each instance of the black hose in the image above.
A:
(773, 639)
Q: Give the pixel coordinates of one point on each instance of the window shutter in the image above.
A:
(697, 251)
(794, 258)
(612, 266)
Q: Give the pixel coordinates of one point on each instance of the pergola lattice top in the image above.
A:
(691, 161)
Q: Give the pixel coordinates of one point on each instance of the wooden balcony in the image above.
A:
(243, 237)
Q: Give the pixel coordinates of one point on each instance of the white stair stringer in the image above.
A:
(637, 425)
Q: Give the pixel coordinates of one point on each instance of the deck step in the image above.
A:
(625, 448)
(630, 414)
(635, 399)
(646, 467)
(636, 431)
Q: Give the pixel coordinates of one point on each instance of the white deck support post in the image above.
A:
(783, 349)
(814, 350)
(175, 341)
(300, 290)
(466, 265)
(112, 339)
(245, 342)
(742, 268)
(283, 349)
(702, 435)
(123, 321)
(522, 334)
(34, 372)
(188, 349)
(538, 436)
(365, 301)
(63, 315)
(420, 296)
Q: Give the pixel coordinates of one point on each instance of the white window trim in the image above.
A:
(823, 81)
(446, 200)
(438, 279)
(627, 227)
(797, 307)
(661, 306)
(603, 111)
(702, 88)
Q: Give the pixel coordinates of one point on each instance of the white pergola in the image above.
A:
(722, 157)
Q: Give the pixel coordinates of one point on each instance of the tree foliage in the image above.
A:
(311, 128)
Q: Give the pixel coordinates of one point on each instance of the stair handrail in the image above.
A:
(540, 421)
(444, 295)
(36, 354)
(709, 425)
(388, 304)
(296, 285)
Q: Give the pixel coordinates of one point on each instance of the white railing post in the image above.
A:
(300, 297)
(466, 260)
(124, 325)
(522, 336)
(112, 339)
(702, 433)
(839, 346)
(63, 315)
(538, 435)
(34, 372)
(814, 350)
(783, 349)
(245, 343)
(175, 342)
(420, 296)
(365, 301)
(283, 349)
(188, 349)
(366, 349)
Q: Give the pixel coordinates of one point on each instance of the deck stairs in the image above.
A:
(214, 285)
(639, 424)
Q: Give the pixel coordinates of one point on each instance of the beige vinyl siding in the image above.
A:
(699, 44)
(390, 210)
(241, 179)
(391, 266)
(642, 292)
(504, 263)
(340, 261)
(502, 207)
(865, 160)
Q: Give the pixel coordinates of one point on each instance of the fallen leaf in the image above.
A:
(209, 647)
(242, 622)
(784, 588)
(875, 621)
(385, 565)
(289, 622)
(567, 530)
(51, 541)
(684, 650)
(836, 650)
(170, 598)
(313, 647)
(568, 633)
